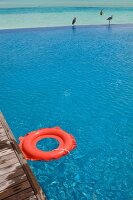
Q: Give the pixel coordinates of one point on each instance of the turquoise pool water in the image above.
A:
(62, 16)
(80, 79)
(42, 3)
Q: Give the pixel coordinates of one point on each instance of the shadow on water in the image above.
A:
(74, 29)
(109, 28)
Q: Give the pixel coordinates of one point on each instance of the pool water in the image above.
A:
(80, 79)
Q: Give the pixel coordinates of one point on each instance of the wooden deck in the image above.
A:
(17, 181)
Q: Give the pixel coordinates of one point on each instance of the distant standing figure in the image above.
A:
(109, 19)
(101, 12)
(74, 20)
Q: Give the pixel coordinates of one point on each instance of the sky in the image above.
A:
(30, 3)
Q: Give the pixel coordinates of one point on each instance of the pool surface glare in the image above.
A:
(80, 79)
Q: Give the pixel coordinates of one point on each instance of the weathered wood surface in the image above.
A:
(17, 181)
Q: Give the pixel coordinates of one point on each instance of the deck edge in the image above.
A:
(34, 184)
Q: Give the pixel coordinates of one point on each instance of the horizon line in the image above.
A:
(68, 4)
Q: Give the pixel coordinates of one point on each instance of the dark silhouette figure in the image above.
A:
(101, 12)
(74, 20)
(109, 19)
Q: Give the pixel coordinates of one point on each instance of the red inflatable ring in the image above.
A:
(30, 151)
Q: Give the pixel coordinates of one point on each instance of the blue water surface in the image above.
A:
(23, 10)
(80, 79)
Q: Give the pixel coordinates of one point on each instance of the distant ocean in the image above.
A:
(47, 13)
(36, 3)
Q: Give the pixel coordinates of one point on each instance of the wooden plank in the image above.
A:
(4, 143)
(4, 137)
(11, 175)
(9, 163)
(8, 157)
(14, 189)
(16, 176)
(2, 128)
(9, 169)
(6, 151)
(25, 194)
(14, 181)
(2, 132)
(31, 198)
